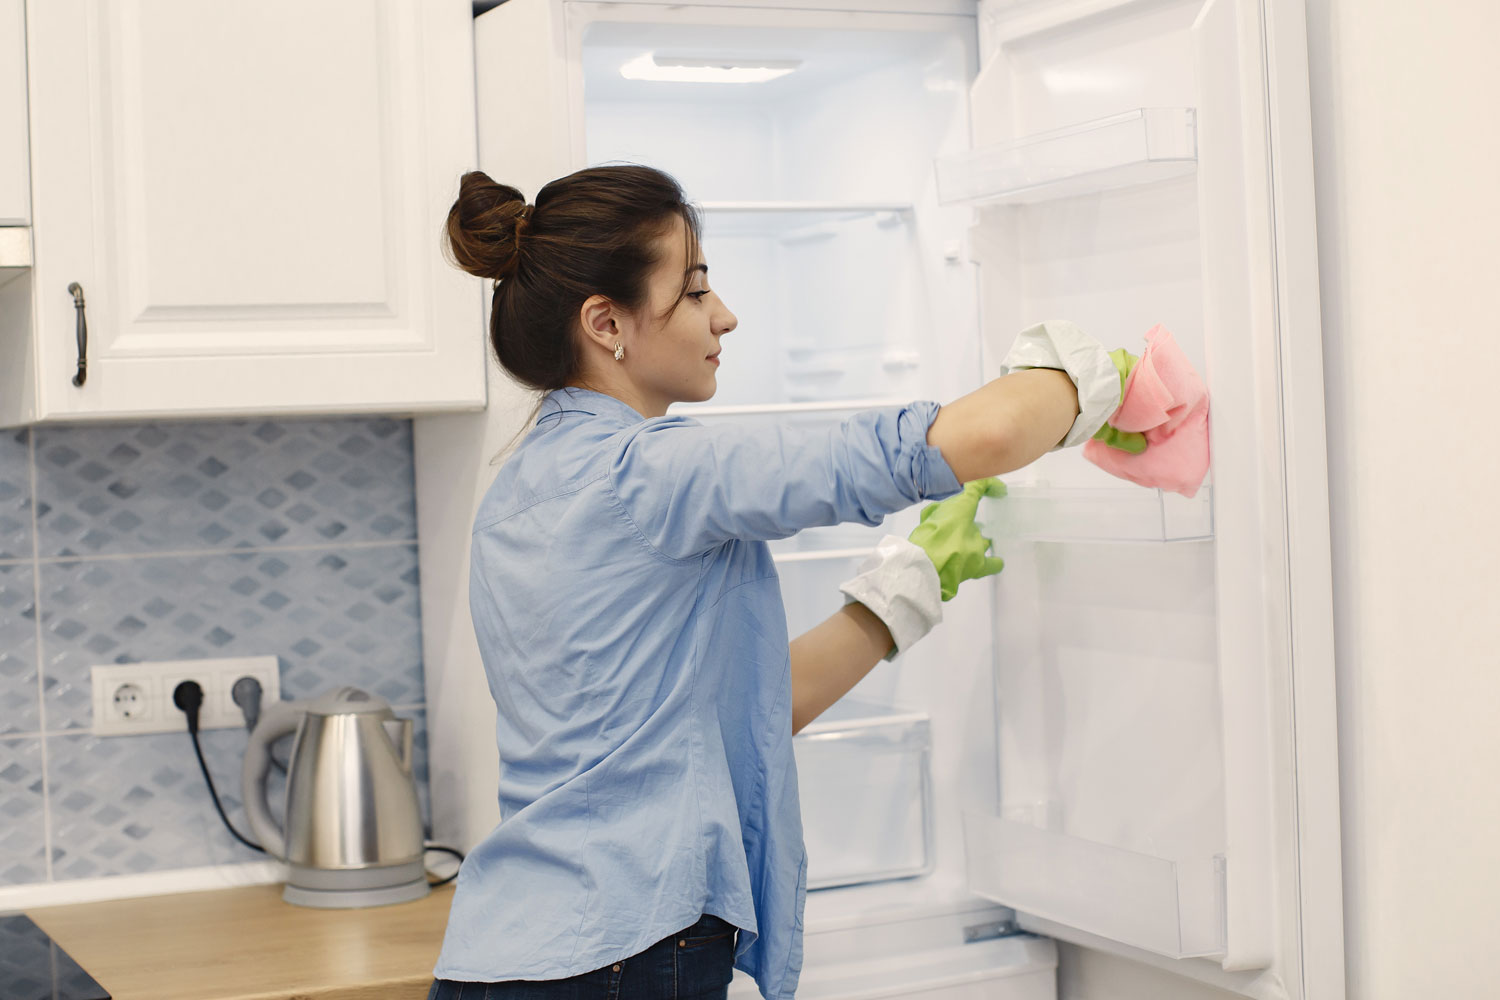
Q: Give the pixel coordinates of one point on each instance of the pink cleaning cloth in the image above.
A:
(1167, 401)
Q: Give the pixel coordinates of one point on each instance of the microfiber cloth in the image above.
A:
(1166, 400)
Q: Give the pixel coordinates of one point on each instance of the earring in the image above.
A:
(619, 351)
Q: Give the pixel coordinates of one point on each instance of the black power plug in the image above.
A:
(188, 697)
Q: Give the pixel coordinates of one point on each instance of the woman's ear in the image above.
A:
(597, 317)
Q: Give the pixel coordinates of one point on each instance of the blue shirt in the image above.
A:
(630, 621)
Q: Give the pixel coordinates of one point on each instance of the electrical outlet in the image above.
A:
(135, 698)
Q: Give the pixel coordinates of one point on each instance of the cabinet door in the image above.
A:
(15, 188)
(251, 198)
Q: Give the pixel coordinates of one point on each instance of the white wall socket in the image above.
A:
(135, 698)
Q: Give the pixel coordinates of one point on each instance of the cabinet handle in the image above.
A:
(76, 290)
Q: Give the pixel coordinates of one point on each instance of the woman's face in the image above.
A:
(675, 358)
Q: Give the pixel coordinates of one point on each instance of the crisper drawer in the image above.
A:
(864, 775)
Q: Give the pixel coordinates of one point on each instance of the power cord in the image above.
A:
(188, 696)
(450, 850)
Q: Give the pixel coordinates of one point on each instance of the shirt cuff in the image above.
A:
(930, 471)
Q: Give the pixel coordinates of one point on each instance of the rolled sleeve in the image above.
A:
(690, 487)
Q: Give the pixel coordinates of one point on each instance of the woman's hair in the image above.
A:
(593, 232)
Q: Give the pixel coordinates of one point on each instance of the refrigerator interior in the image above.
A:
(823, 233)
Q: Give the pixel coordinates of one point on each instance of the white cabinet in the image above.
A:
(15, 189)
(250, 198)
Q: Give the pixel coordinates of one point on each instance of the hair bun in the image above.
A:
(486, 226)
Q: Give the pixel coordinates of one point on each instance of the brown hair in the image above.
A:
(592, 232)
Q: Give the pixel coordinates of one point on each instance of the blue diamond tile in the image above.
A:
(20, 702)
(355, 624)
(23, 857)
(124, 521)
(132, 488)
(124, 804)
(60, 456)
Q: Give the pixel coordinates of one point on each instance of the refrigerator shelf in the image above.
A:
(799, 221)
(1119, 514)
(1136, 147)
(804, 207)
(700, 410)
(1166, 907)
(780, 556)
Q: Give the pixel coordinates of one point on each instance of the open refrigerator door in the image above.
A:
(1167, 776)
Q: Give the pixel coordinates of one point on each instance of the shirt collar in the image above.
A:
(576, 400)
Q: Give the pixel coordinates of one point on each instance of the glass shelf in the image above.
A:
(1121, 514)
(797, 221)
(1136, 147)
(833, 409)
(1163, 906)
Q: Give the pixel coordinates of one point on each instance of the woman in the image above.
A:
(628, 610)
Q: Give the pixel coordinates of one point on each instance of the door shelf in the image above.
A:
(1136, 147)
(1163, 906)
(1120, 514)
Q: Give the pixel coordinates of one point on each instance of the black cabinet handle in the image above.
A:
(76, 290)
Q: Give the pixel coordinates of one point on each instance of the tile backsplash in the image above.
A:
(171, 541)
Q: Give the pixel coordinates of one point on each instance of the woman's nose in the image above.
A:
(725, 322)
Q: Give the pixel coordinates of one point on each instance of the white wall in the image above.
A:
(1407, 150)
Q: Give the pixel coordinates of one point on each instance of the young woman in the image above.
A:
(628, 610)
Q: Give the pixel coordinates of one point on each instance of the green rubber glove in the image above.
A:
(1133, 442)
(953, 541)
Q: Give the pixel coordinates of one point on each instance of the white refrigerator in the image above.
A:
(1126, 739)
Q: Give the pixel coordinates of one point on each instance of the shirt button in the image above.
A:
(682, 944)
(617, 968)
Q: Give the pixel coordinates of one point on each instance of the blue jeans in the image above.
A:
(696, 963)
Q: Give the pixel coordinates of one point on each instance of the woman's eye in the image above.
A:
(698, 295)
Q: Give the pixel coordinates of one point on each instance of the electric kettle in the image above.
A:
(353, 829)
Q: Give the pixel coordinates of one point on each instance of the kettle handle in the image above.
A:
(276, 721)
(399, 731)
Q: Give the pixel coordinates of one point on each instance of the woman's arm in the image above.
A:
(1005, 424)
(830, 658)
(1001, 426)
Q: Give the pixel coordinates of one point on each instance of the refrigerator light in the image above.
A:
(685, 70)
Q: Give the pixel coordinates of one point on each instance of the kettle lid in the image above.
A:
(346, 701)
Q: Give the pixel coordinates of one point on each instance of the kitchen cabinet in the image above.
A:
(242, 207)
(15, 187)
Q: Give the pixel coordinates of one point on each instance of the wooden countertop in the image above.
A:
(246, 943)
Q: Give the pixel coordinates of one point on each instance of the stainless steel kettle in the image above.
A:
(353, 831)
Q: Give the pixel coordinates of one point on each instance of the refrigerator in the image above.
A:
(1126, 739)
